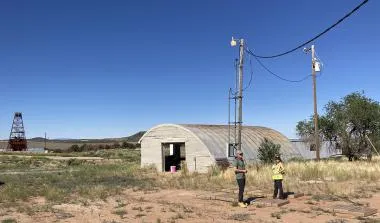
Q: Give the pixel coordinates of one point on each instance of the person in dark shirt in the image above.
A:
(240, 172)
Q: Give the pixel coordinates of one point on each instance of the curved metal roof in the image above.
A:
(215, 138)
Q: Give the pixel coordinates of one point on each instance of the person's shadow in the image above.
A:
(1, 183)
(253, 199)
(286, 194)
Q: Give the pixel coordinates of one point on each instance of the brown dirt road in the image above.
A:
(177, 206)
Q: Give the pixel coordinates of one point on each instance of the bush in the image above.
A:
(268, 150)
(74, 148)
(94, 147)
(116, 145)
(127, 145)
(82, 148)
(74, 162)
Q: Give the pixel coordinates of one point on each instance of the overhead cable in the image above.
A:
(314, 38)
(250, 79)
(278, 76)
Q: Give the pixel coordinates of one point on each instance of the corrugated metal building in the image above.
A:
(203, 145)
(303, 148)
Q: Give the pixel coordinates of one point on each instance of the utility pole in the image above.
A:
(240, 92)
(45, 141)
(240, 89)
(316, 131)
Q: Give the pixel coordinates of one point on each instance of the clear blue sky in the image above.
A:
(93, 69)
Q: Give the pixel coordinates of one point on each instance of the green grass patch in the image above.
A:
(9, 220)
(120, 212)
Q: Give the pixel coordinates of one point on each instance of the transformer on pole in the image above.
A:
(17, 140)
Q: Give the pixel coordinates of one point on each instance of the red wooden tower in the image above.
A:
(17, 139)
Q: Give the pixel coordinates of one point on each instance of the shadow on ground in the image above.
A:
(253, 199)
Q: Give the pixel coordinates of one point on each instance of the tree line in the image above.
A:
(351, 125)
(95, 147)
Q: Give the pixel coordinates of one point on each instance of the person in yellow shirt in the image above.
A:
(278, 175)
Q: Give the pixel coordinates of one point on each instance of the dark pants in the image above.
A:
(241, 183)
(278, 187)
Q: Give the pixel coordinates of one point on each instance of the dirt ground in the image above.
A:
(178, 206)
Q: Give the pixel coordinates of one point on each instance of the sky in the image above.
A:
(97, 69)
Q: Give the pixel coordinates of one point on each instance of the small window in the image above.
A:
(231, 149)
(171, 149)
(312, 147)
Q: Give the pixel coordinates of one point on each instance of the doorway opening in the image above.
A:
(173, 154)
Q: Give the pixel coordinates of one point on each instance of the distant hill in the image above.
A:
(135, 137)
(37, 139)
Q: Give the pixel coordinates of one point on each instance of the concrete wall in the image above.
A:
(198, 157)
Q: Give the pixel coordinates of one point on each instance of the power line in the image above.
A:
(236, 74)
(250, 79)
(316, 37)
(278, 76)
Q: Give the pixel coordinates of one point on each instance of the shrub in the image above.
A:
(127, 145)
(268, 150)
(74, 148)
(116, 145)
(214, 170)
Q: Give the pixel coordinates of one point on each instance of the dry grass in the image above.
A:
(341, 178)
(83, 180)
(98, 181)
(240, 217)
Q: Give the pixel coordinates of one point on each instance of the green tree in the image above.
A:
(268, 150)
(346, 124)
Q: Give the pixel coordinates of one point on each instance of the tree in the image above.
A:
(268, 151)
(346, 125)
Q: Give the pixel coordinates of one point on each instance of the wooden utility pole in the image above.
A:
(316, 131)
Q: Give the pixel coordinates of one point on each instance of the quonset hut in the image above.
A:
(201, 146)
